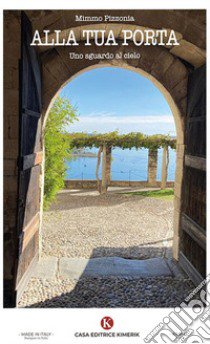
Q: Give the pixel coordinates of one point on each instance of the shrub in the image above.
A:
(56, 148)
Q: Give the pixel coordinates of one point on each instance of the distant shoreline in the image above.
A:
(84, 155)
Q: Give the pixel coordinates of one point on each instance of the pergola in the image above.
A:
(105, 143)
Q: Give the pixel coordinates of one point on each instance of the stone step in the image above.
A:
(113, 266)
(74, 268)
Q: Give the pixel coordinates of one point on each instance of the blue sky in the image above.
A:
(109, 99)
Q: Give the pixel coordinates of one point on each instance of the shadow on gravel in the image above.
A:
(67, 201)
(116, 291)
(135, 252)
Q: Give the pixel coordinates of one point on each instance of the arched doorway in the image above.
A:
(98, 228)
(168, 71)
(179, 129)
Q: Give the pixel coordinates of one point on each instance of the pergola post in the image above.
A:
(97, 168)
(104, 182)
(152, 166)
(164, 168)
(108, 165)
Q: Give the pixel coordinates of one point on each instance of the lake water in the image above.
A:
(126, 165)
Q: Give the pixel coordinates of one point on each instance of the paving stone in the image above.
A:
(113, 266)
(46, 268)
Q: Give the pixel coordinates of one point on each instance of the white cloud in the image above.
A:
(106, 122)
(98, 114)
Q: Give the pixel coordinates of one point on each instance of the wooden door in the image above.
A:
(30, 158)
(193, 219)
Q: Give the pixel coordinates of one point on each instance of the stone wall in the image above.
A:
(92, 184)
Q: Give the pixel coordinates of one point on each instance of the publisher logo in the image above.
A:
(107, 323)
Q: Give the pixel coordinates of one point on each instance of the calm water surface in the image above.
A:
(126, 165)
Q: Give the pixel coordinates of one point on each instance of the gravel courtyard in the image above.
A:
(106, 292)
(82, 224)
(85, 224)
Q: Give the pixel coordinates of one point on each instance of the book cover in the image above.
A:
(105, 175)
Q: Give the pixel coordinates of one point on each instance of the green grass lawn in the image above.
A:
(167, 194)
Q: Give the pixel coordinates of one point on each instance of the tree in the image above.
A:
(57, 149)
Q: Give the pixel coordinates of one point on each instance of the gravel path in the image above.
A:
(84, 224)
(106, 292)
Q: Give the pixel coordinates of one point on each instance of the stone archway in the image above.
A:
(162, 66)
(177, 72)
(178, 118)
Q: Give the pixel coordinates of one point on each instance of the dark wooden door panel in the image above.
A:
(30, 157)
(194, 200)
(193, 219)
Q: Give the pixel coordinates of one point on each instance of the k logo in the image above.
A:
(107, 323)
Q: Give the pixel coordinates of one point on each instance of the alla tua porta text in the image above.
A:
(105, 38)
